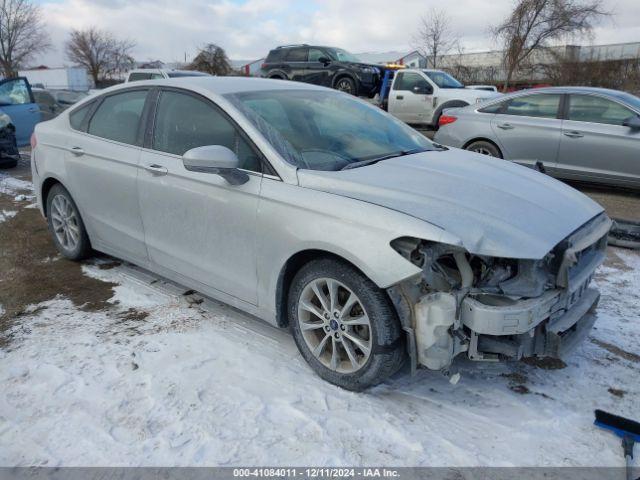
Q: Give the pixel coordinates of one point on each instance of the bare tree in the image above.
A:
(435, 37)
(211, 59)
(100, 52)
(22, 34)
(533, 24)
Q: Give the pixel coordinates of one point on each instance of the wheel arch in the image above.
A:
(277, 75)
(289, 270)
(447, 104)
(343, 74)
(483, 139)
(45, 188)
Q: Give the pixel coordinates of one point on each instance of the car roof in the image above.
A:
(571, 89)
(224, 85)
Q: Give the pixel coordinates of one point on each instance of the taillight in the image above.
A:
(33, 141)
(446, 120)
(263, 66)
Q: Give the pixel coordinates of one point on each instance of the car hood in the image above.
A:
(493, 206)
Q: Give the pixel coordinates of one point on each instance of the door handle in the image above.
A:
(399, 97)
(506, 126)
(573, 134)
(156, 169)
(33, 109)
(77, 151)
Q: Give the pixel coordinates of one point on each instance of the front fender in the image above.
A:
(357, 231)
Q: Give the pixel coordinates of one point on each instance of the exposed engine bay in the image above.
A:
(499, 308)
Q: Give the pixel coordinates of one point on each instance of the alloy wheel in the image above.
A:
(335, 325)
(344, 86)
(65, 223)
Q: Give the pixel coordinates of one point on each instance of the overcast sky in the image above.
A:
(247, 29)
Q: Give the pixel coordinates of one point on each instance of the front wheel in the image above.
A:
(344, 325)
(346, 85)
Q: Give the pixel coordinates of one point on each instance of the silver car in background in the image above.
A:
(315, 210)
(578, 133)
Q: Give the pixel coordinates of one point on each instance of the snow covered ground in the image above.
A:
(162, 378)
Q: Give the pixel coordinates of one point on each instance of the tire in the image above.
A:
(366, 354)
(346, 85)
(484, 148)
(66, 225)
(11, 164)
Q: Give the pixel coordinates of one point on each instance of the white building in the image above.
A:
(64, 78)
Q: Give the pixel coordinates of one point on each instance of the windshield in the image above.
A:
(343, 56)
(443, 80)
(326, 130)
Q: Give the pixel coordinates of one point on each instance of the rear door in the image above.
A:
(16, 100)
(104, 147)
(595, 145)
(410, 100)
(296, 62)
(197, 224)
(528, 128)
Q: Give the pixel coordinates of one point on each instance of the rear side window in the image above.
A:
(275, 56)
(143, 76)
(118, 117)
(541, 105)
(76, 118)
(588, 108)
(184, 122)
(495, 108)
(296, 55)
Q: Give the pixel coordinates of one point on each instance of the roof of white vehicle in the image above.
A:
(224, 85)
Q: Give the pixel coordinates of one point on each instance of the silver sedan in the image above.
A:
(314, 210)
(577, 133)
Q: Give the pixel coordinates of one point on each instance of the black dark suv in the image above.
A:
(327, 66)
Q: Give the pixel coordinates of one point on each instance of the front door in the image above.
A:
(102, 165)
(317, 72)
(17, 101)
(528, 129)
(595, 145)
(410, 100)
(197, 224)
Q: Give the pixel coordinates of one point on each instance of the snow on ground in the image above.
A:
(7, 214)
(10, 185)
(160, 379)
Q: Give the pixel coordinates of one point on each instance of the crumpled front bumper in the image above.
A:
(534, 327)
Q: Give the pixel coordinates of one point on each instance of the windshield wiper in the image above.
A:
(371, 161)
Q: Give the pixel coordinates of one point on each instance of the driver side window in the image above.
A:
(184, 122)
(410, 80)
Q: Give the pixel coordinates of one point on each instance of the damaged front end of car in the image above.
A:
(498, 308)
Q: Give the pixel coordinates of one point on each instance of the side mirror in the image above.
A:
(324, 60)
(423, 90)
(632, 122)
(215, 159)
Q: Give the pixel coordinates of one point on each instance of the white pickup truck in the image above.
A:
(419, 96)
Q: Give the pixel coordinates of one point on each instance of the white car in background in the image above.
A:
(160, 73)
(419, 96)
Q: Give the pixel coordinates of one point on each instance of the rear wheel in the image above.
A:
(9, 164)
(346, 85)
(65, 224)
(344, 325)
(485, 148)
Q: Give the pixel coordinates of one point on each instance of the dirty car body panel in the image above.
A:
(475, 255)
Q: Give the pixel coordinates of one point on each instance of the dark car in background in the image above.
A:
(325, 66)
